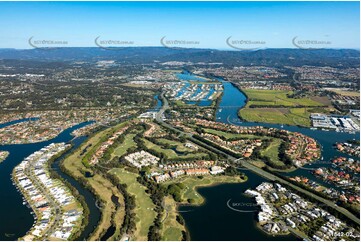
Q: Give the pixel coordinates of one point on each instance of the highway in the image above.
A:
(251, 167)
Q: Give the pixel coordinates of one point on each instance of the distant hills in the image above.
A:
(148, 55)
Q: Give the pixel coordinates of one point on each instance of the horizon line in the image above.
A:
(180, 48)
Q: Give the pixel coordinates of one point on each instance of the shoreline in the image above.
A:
(87, 123)
(213, 184)
(17, 121)
(4, 154)
(20, 172)
(204, 201)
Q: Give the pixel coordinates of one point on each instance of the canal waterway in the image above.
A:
(18, 218)
(90, 199)
(3, 125)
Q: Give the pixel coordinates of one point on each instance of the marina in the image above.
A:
(193, 89)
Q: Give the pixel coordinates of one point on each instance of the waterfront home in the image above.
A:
(42, 192)
(296, 213)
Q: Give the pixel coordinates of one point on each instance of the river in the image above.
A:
(18, 218)
(215, 220)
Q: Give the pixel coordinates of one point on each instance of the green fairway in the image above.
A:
(178, 145)
(101, 186)
(173, 230)
(272, 152)
(172, 234)
(122, 149)
(171, 154)
(97, 140)
(144, 210)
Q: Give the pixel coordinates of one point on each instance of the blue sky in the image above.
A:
(207, 23)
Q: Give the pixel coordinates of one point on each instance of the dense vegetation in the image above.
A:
(142, 55)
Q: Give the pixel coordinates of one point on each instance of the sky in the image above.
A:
(193, 24)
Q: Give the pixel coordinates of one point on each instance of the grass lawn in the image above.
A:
(171, 229)
(171, 154)
(295, 111)
(272, 150)
(144, 210)
(290, 116)
(258, 163)
(179, 103)
(122, 149)
(322, 99)
(277, 98)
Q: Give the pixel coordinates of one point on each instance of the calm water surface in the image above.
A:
(3, 125)
(18, 218)
(214, 220)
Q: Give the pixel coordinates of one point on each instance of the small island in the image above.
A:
(3, 155)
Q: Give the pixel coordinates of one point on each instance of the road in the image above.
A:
(251, 167)
(165, 106)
